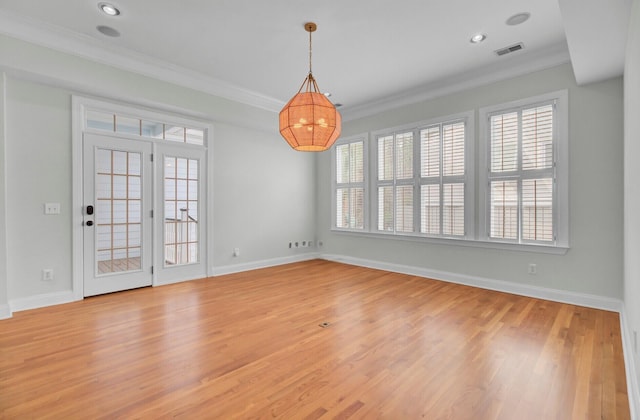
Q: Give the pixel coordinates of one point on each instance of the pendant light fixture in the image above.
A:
(310, 122)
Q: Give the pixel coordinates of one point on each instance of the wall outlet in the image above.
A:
(533, 269)
(51, 208)
(236, 252)
(47, 274)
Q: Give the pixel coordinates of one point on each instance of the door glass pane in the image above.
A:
(118, 211)
(181, 239)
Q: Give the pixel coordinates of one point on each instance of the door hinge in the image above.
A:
(151, 269)
(151, 157)
(151, 214)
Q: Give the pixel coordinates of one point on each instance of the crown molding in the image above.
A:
(69, 42)
(518, 65)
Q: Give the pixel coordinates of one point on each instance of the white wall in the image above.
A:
(265, 196)
(593, 264)
(38, 165)
(4, 299)
(263, 191)
(632, 182)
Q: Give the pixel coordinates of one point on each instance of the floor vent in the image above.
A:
(510, 49)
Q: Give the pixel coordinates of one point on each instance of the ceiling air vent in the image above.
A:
(510, 49)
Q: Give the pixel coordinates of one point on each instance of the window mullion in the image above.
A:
(440, 175)
(417, 169)
(521, 173)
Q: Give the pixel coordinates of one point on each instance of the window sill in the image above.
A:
(474, 243)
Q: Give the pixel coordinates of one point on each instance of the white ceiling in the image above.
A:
(370, 54)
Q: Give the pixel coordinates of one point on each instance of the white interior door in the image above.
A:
(118, 239)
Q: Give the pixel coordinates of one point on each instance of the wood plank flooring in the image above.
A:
(249, 345)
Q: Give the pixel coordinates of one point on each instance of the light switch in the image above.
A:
(51, 208)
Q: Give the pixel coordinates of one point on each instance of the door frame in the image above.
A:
(153, 112)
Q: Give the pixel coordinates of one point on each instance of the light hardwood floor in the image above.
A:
(249, 345)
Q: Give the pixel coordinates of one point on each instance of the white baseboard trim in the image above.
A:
(5, 311)
(237, 268)
(573, 298)
(633, 389)
(40, 301)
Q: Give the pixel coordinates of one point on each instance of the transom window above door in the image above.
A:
(139, 126)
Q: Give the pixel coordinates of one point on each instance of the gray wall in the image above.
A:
(593, 264)
(263, 191)
(632, 179)
(4, 297)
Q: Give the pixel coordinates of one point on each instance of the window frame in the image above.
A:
(560, 170)
(416, 181)
(364, 138)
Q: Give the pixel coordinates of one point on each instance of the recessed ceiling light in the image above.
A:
(477, 38)
(109, 9)
(108, 31)
(518, 18)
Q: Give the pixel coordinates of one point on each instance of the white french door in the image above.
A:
(125, 190)
(117, 218)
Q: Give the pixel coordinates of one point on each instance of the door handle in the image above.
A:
(89, 210)
(88, 223)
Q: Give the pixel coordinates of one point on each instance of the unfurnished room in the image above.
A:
(298, 209)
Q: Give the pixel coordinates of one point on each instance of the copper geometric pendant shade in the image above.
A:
(309, 121)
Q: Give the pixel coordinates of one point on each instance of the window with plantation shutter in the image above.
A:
(442, 179)
(422, 177)
(349, 191)
(395, 182)
(526, 146)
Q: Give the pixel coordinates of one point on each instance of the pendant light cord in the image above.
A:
(310, 52)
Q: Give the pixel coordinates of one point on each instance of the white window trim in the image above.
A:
(561, 151)
(364, 138)
(469, 177)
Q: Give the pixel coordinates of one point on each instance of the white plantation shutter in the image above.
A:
(385, 209)
(453, 149)
(504, 142)
(430, 209)
(404, 208)
(522, 174)
(430, 152)
(404, 156)
(453, 209)
(537, 138)
(537, 209)
(349, 189)
(504, 209)
(385, 158)
(395, 182)
(442, 179)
